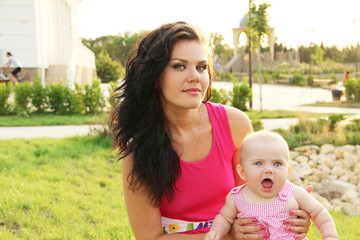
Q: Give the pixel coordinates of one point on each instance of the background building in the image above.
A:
(44, 36)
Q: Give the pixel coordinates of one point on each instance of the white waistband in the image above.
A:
(176, 226)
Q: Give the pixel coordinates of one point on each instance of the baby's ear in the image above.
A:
(289, 170)
(241, 172)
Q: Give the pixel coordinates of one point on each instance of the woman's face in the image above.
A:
(185, 79)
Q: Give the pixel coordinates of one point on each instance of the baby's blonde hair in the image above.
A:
(262, 136)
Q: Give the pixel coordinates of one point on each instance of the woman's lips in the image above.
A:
(192, 91)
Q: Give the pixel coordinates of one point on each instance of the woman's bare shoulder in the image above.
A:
(240, 124)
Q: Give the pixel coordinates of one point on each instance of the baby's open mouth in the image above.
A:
(267, 183)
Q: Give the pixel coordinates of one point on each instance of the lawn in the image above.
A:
(61, 189)
(50, 119)
(71, 189)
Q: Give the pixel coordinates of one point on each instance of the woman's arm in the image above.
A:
(240, 127)
(145, 219)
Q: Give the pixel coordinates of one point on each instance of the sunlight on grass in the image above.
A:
(61, 189)
(71, 189)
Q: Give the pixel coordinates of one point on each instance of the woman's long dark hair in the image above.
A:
(139, 123)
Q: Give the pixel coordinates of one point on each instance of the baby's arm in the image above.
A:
(222, 222)
(318, 213)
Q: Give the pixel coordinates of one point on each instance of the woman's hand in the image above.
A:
(246, 228)
(300, 222)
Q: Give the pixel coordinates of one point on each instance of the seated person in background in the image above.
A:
(267, 195)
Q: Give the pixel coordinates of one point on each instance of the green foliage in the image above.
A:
(74, 100)
(118, 47)
(93, 98)
(318, 56)
(107, 69)
(39, 96)
(258, 24)
(58, 98)
(23, 98)
(4, 96)
(219, 96)
(241, 94)
(219, 48)
(352, 89)
(257, 124)
(298, 79)
(223, 76)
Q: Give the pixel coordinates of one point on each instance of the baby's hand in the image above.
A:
(212, 235)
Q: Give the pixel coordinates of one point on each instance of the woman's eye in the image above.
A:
(201, 67)
(179, 66)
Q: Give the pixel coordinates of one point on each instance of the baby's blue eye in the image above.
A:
(258, 163)
(277, 164)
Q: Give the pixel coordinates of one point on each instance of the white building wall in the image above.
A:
(17, 31)
(43, 34)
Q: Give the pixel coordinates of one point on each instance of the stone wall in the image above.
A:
(333, 171)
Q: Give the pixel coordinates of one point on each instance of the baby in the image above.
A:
(268, 196)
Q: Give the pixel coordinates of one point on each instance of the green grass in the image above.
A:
(50, 119)
(61, 189)
(339, 104)
(280, 114)
(71, 189)
(347, 227)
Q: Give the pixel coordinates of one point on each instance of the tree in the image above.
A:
(258, 27)
(106, 69)
(318, 56)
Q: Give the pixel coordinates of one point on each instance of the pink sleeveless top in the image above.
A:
(271, 215)
(202, 187)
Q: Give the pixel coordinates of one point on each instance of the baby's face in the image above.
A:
(265, 168)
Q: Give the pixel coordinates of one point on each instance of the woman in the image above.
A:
(17, 65)
(177, 151)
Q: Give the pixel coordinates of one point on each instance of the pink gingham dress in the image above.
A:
(271, 215)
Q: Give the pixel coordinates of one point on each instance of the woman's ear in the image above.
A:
(241, 172)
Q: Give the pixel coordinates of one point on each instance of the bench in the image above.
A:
(322, 81)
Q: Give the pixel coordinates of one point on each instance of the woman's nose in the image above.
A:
(194, 75)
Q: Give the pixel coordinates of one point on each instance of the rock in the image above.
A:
(333, 171)
(327, 148)
(333, 189)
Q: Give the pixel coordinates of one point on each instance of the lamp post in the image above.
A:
(249, 40)
(356, 21)
(310, 31)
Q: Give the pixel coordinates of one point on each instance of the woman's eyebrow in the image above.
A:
(183, 60)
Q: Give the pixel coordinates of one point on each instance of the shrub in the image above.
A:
(39, 96)
(23, 97)
(93, 98)
(298, 79)
(241, 95)
(219, 96)
(74, 100)
(257, 124)
(107, 69)
(4, 96)
(58, 96)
